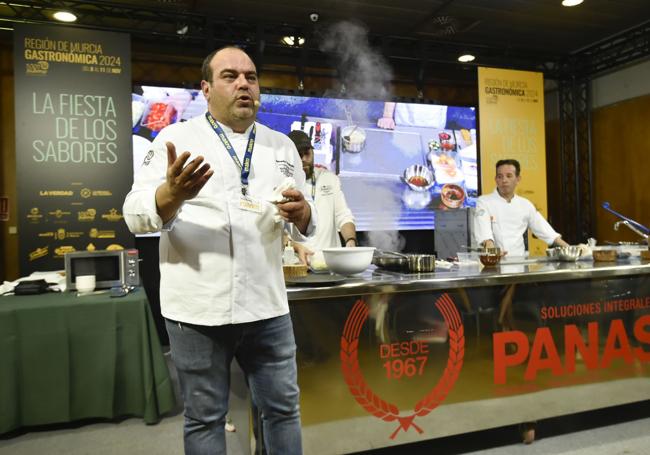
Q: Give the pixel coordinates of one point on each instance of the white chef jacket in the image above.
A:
(219, 264)
(425, 115)
(333, 211)
(506, 222)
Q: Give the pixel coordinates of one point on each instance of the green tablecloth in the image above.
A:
(64, 358)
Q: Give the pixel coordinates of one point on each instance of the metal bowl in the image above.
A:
(553, 253)
(569, 253)
(418, 177)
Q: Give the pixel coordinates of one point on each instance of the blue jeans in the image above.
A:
(266, 352)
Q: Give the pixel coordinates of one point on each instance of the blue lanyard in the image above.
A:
(246, 167)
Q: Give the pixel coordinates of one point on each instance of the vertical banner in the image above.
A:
(511, 110)
(73, 141)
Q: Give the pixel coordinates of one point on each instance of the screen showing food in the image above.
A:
(397, 162)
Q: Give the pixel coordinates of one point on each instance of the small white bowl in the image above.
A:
(348, 261)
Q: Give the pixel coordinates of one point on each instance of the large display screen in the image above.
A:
(397, 162)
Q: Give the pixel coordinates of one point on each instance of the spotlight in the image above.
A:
(291, 40)
(571, 2)
(466, 58)
(64, 16)
(182, 29)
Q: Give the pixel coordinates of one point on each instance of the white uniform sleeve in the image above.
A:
(139, 207)
(300, 179)
(541, 228)
(342, 213)
(482, 223)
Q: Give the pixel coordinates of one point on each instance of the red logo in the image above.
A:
(374, 404)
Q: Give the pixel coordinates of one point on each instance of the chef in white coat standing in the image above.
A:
(502, 218)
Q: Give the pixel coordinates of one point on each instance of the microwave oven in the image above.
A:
(112, 268)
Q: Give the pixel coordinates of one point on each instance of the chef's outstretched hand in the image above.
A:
(295, 209)
(183, 181)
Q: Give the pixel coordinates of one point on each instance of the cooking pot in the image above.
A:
(353, 138)
(405, 263)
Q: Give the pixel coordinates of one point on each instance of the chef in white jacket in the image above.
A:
(501, 218)
(216, 188)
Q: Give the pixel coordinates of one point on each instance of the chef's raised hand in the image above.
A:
(183, 181)
(295, 209)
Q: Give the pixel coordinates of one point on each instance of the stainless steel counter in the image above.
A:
(387, 358)
(376, 281)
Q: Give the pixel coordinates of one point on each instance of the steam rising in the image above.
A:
(365, 74)
(364, 71)
(386, 240)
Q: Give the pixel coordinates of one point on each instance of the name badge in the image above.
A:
(250, 204)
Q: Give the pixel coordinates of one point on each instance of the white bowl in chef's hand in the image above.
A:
(348, 261)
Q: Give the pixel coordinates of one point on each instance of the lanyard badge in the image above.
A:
(245, 168)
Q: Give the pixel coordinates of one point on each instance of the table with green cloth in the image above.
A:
(65, 358)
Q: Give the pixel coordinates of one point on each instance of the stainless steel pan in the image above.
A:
(405, 263)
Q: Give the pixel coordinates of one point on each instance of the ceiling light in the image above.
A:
(64, 16)
(291, 40)
(571, 2)
(182, 29)
(466, 58)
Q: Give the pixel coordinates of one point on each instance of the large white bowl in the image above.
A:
(347, 261)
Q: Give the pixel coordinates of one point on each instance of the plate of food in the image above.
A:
(446, 168)
(452, 195)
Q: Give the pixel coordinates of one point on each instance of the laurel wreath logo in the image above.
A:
(374, 404)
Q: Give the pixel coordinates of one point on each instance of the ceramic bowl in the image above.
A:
(452, 195)
(348, 261)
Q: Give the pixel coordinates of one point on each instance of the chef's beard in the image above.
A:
(309, 171)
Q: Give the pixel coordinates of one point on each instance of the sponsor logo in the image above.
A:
(55, 193)
(39, 68)
(87, 192)
(87, 215)
(112, 215)
(62, 250)
(378, 406)
(558, 353)
(58, 213)
(99, 234)
(34, 215)
(39, 253)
